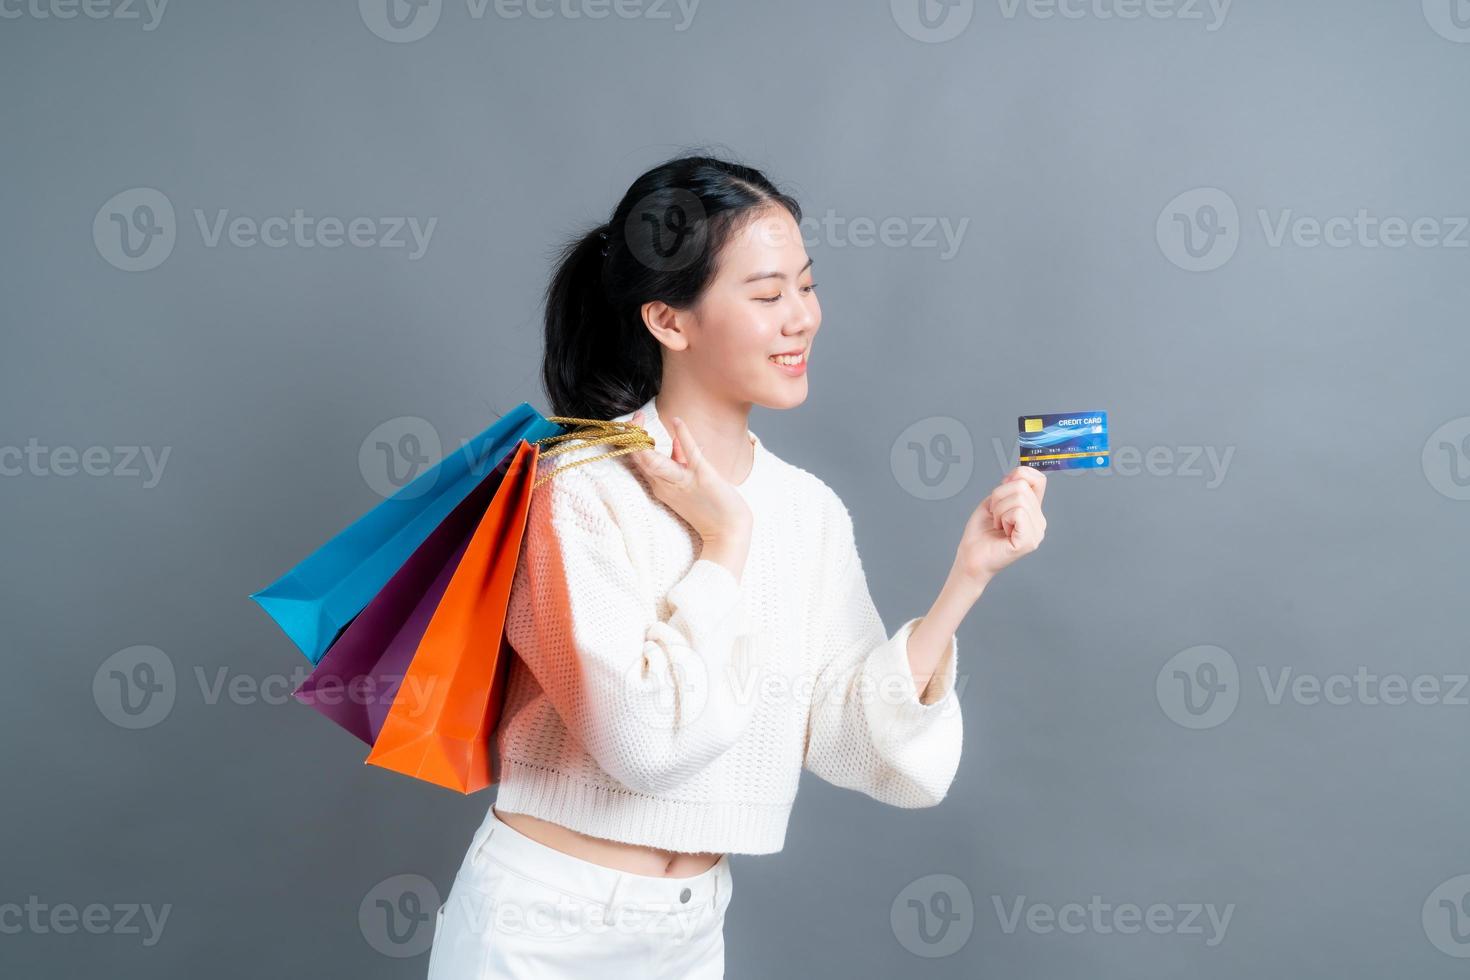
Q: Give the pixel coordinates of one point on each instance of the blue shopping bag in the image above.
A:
(315, 601)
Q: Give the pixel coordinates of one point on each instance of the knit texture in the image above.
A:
(656, 699)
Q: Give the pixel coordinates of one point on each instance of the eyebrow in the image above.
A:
(778, 275)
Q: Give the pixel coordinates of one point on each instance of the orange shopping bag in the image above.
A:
(441, 732)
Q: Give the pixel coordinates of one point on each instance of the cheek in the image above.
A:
(752, 332)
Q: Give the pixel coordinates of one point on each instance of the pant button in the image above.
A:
(684, 895)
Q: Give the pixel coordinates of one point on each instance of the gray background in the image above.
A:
(1333, 541)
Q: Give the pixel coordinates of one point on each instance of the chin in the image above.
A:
(792, 396)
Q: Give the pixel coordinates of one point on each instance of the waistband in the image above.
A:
(610, 887)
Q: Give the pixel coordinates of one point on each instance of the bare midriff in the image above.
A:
(636, 858)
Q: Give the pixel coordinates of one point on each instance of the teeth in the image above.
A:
(790, 359)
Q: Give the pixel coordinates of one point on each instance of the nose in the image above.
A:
(803, 319)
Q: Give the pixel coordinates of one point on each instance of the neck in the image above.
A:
(719, 427)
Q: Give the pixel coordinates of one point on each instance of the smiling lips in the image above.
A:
(792, 364)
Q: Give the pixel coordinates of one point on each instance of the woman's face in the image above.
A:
(761, 303)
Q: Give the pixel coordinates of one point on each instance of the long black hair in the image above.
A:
(661, 243)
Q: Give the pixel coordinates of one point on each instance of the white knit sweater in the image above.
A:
(657, 699)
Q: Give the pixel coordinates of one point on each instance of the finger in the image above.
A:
(982, 516)
(1012, 488)
(1008, 512)
(1020, 533)
(1032, 476)
(1005, 511)
(1007, 492)
(676, 446)
(656, 464)
(693, 456)
(1008, 524)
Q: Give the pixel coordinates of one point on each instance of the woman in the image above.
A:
(692, 621)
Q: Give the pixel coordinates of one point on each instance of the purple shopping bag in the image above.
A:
(360, 675)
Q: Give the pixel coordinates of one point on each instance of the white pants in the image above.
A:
(519, 908)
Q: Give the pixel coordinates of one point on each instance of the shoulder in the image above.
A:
(583, 483)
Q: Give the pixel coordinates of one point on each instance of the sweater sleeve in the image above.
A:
(867, 729)
(653, 700)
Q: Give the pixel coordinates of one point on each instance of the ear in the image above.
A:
(668, 325)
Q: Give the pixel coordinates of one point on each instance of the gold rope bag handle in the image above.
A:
(593, 432)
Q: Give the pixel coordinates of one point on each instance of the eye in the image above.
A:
(769, 299)
(810, 287)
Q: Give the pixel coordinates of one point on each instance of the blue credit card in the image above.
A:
(1075, 440)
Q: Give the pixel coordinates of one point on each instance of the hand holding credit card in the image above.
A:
(1074, 440)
